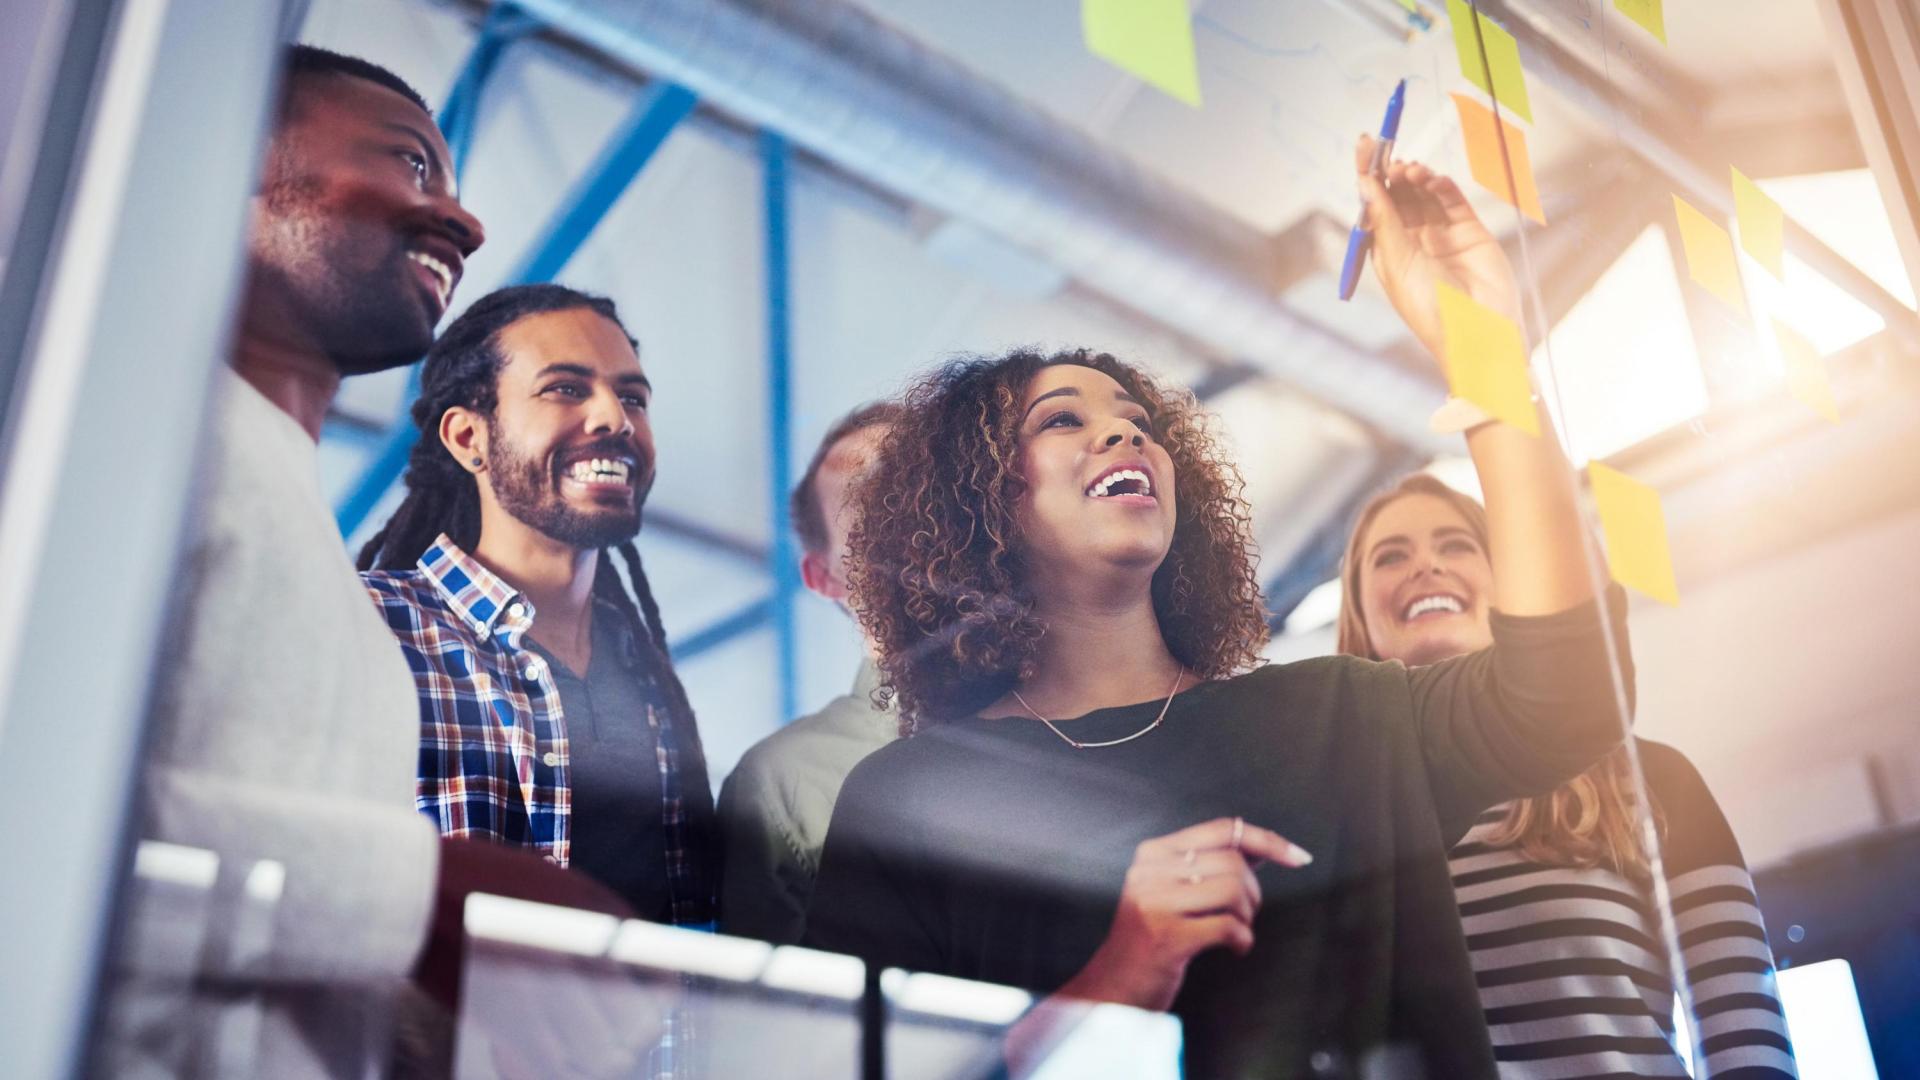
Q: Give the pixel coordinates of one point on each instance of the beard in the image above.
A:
(530, 492)
(348, 278)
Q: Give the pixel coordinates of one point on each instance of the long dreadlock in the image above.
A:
(463, 370)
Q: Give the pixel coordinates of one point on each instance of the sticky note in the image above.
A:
(1709, 251)
(1484, 134)
(1501, 58)
(1806, 372)
(1762, 224)
(1648, 13)
(1153, 39)
(1636, 533)
(1412, 7)
(1486, 359)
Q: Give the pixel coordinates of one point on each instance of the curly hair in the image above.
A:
(937, 578)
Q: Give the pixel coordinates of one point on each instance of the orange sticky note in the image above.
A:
(1486, 359)
(1500, 58)
(1806, 372)
(1152, 39)
(1636, 532)
(1484, 134)
(1710, 258)
(1762, 224)
(1648, 13)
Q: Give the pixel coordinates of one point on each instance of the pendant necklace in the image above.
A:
(1077, 745)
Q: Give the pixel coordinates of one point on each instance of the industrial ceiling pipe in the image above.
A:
(858, 93)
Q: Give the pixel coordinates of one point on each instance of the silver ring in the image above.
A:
(1239, 831)
(1190, 855)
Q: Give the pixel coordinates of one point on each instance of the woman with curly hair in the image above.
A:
(1103, 798)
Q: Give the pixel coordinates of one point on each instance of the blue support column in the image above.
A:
(784, 562)
(660, 109)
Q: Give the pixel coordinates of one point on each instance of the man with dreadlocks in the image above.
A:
(551, 715)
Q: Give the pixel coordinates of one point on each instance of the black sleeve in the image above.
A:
(1529, 713)
(873, 876)
(1694, 833)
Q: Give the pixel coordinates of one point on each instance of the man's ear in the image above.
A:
(813, 571)
(464, 433)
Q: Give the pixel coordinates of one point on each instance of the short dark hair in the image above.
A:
(299, 60)
(803, 506)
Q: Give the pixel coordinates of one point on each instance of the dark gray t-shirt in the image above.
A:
(613, 751)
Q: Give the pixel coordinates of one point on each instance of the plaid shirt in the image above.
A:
(493, 738)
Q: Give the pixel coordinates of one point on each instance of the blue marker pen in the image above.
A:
(1361, 238)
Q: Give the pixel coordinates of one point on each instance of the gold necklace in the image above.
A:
(1077, 745)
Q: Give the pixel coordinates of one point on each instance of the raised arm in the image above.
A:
(1425, 233)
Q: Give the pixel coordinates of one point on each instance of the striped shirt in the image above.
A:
(494, 757)
(1569, 962)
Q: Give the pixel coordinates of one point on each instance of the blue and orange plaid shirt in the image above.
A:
(493, 736)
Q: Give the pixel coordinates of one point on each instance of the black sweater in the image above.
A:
(992, 850)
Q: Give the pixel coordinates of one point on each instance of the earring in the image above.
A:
(476, 463)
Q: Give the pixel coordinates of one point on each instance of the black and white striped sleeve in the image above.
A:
(1723, 940)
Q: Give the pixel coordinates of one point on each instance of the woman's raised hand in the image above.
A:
(1424, 231)
(1185, 892)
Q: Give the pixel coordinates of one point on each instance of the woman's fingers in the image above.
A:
(1232, 833)
(1215, 930)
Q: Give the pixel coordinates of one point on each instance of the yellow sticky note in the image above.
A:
(1648, 13)
(1762, 224)
(1484, 134)
(1636, 532)
(1412, 7)
(1806, 372)
(1710, 259)
(1501, 59)
(1486, 359)
(1152, 39)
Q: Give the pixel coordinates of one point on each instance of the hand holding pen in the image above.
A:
(1361, 237)
(1423, 231)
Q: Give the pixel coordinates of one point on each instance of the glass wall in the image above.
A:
(1633, 282)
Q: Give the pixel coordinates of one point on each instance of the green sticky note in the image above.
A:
(1648, 13)
(1501, 59)
(1151, 39)
(1762, 223)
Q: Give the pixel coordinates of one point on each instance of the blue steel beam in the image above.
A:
(660, 109)
(747, 619)
(505, 24)
(774, 158)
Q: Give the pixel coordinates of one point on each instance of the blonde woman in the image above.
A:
(1555, 890)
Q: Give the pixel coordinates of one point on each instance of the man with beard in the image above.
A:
(551, 716)
(283, 724)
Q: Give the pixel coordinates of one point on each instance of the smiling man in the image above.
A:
(551, 715)
(283, 714)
